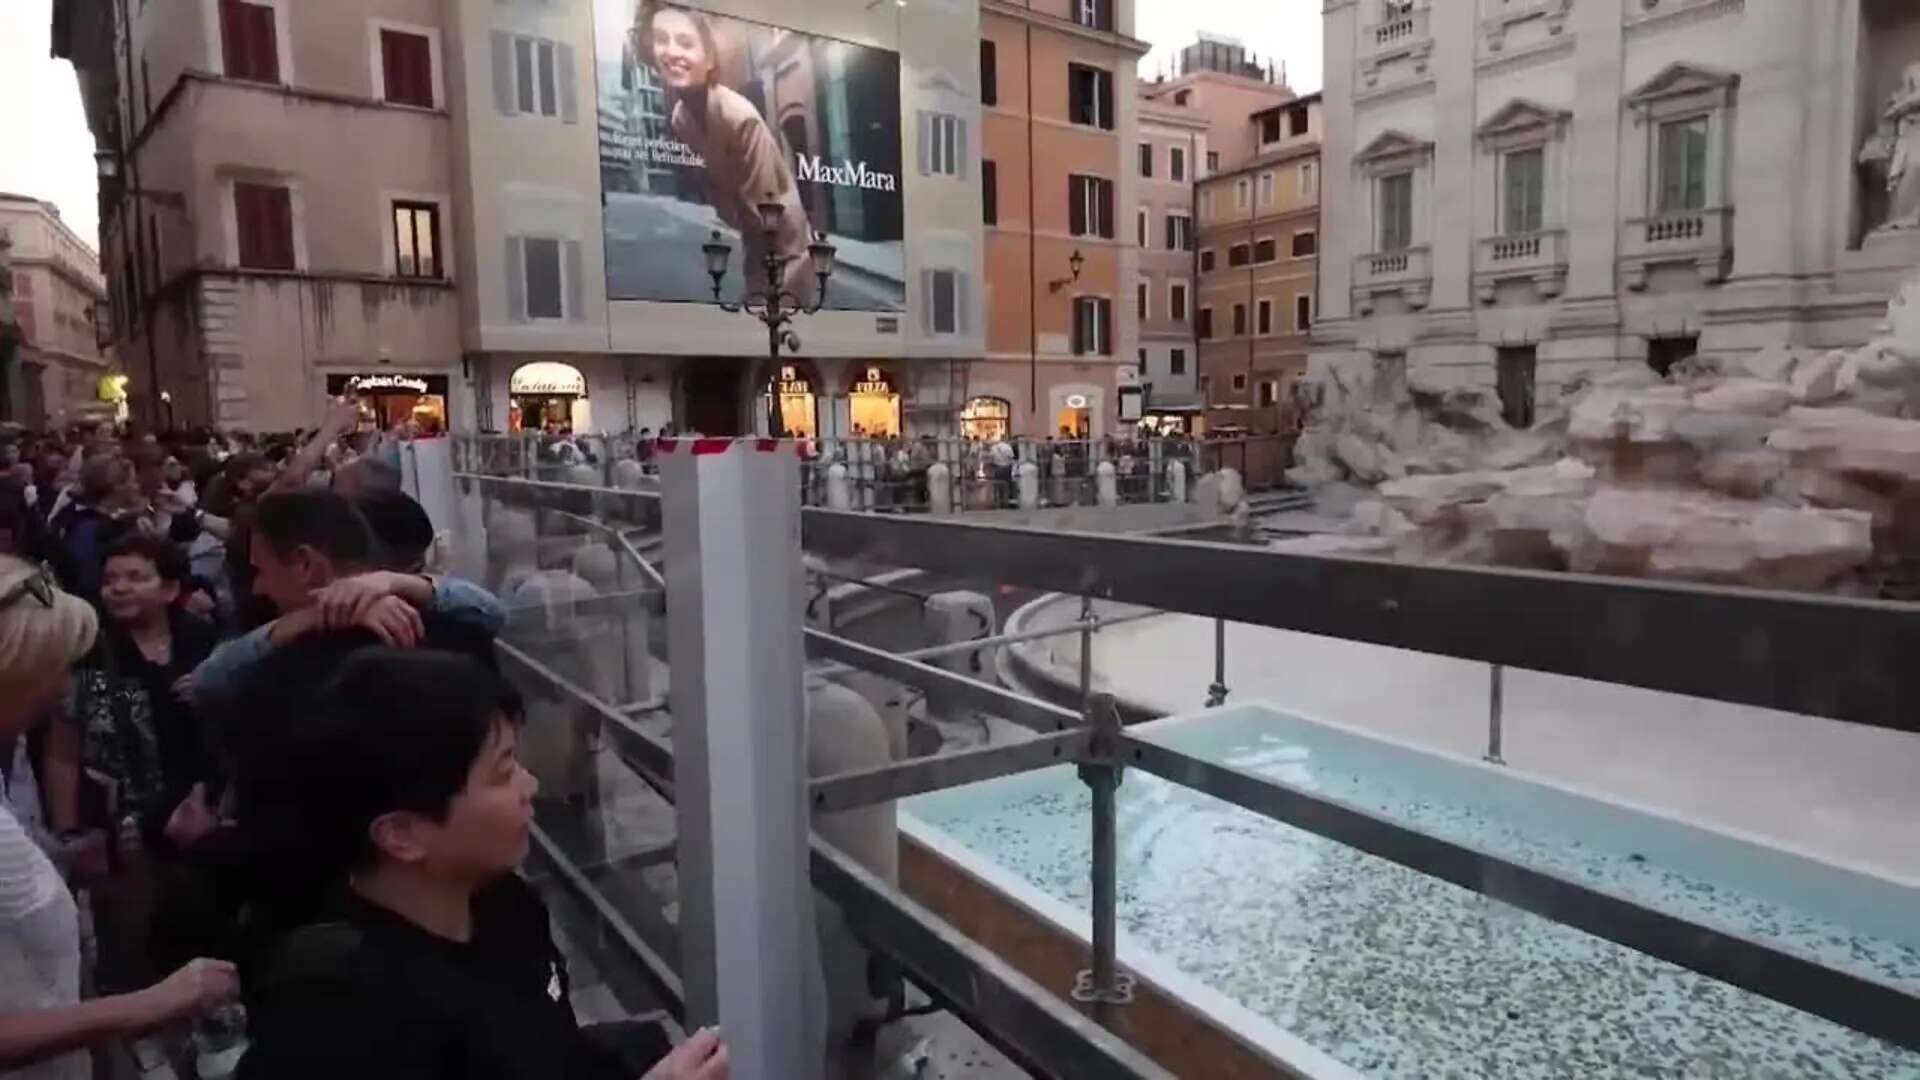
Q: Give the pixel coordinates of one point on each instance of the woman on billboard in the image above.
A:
(745, 164)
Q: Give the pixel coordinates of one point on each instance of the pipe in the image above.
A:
(1217, 693)
(1496, 700)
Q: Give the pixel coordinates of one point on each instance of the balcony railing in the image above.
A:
(1702, 237)
(1408, 271)
(1540, 255)
(1401, 31)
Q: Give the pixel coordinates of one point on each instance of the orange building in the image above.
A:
(1259, 240)
(1059, 111)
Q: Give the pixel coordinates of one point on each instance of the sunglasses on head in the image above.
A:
(39, 585)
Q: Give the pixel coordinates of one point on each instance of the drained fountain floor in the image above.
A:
(1400, 975)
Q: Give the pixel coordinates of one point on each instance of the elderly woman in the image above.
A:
(44, 1027)
(745, 164)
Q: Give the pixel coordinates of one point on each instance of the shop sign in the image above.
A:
(1076, 401)
(876, 382)
(544, 377)
(378, 384)
(792, 383)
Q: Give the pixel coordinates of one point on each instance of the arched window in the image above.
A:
(987, 418)
(547, 396)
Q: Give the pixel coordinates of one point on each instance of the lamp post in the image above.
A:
(776, 307)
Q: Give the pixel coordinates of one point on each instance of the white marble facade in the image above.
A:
(1556, 187)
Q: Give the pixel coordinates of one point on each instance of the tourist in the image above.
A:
(45, 1029)
(430, 958)
(90, 521)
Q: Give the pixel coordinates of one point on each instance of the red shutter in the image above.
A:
(248, 43)
(263, 218)
(408, 62)
(233, 38)
(265, 44)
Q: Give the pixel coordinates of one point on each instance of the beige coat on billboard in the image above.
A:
(746, 167)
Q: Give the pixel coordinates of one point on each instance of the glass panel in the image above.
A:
(1396, 212)
(547, 94)
(406, 259)
(944, 308)
(429, 252)
(523, 72)
(543, 278)
(1683, 165)
(1526, 182)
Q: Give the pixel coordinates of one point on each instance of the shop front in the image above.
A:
(548, 396)
(389, 400)
(796, 405)
(987, 418)
(873, 404)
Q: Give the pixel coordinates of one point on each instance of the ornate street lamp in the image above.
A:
(776, 307)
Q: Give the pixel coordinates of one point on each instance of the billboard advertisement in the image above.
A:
(704, 117)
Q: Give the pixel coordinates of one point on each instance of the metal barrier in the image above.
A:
(1844, 659)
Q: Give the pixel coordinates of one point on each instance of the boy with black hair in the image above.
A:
(432, 959)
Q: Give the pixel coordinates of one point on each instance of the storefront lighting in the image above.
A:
(771, 214)
(822, 254)
(772, 303)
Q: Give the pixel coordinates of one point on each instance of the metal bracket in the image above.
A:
(1119, 993)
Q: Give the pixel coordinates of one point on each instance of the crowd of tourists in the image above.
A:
(260, 806)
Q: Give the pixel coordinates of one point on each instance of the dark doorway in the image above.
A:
(712, 390)
(1664, 354)
(1516, 378)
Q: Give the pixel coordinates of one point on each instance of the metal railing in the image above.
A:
(1844, 659)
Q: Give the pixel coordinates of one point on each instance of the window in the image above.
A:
(1182, 97)
(1203, 327)
(1303, 312)
(1239, 255)
(1206, 386)
(1266, 189)
(533, 76)
(1177, 164)
(1309, 180)
(1396, 212)
(1263, 317)
(1664, 354)
(1239, 383)
(1097, 14)
(989, 193)
(1213, 161)
(1270, 127)
(1269, 392)
(947, 302)
(416, 240)
(943, 145)
(1090, 206)
(1146, 160)
(1242, 193)
(1206, 203)
(1264, 250)
(989, 74)
(1177, 362)
(1682, 165)
(1524, 193)
(1090, 96)
(543, 284)
(1092, 326)
(1179, 232)
(406, 68)
(1305, 244)
(249, 46)
(1141, 229)
(1140, 298)
(1297, 118)
(1239, 320)
(1206, 261)
(263, 223)
(1515, 381)
(1177, 301)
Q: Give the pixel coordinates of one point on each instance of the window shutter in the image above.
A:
(1079, 326)
(569, 99)
(962, 302)
(1173, 238)
(926, 302)
(503, 91)
(1105, 189)
(575, 289)
(264, 43)
(960, 148)
(1106, 327)
(926, 142)
(1105, 82)
(280, 214)
(233, 39)
(1077, 205)
(516, 280)
(989, 74)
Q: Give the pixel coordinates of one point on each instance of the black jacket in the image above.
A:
(365, 994)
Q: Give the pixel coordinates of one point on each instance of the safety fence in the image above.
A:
(1842, 659)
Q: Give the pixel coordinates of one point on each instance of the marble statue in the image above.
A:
(1896, 145)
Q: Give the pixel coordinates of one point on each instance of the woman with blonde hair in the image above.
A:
(44, 1027)
(745, 164)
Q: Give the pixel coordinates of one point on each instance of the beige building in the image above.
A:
(1259, 241)
(52, 365)
(1173, 142)
(403, 200)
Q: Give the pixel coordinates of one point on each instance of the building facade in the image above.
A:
(1259, 226)
(1549, 189)
(1059, 184)
(53, 369)
(413, 201)
(1172, 145)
